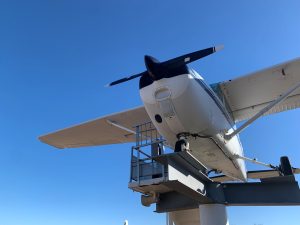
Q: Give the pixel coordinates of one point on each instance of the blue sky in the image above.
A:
(55, 58)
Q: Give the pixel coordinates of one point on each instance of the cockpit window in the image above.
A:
(216, 88)
(194, 74)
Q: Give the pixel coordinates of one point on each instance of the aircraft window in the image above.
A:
(194, 73)
(216, 88)
(191, 72)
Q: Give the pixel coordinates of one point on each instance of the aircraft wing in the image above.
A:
(249, 94)
(111, 129)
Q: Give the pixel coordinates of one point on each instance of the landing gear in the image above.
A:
(181, 145)
(285, 166)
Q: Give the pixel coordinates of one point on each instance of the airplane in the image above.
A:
(192, 115)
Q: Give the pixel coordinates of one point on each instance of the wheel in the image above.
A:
(181, 145)
(285, 166)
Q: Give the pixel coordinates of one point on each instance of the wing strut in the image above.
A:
(262, 112)
(255, 161)
(120, 126)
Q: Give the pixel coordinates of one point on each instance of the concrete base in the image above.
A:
(210, 214)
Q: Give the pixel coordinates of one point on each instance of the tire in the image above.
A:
(285, 166)
(180, 145)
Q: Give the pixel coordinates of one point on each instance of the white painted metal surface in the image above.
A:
(247, 95)
(265, 110)
(187, 106)
(110, 129)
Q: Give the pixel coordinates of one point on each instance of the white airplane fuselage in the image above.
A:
(185, 104)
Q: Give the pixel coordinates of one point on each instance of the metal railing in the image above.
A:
(149, 144)
(146, 134)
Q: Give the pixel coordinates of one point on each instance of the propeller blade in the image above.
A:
(191, 57)
(156, 69)
(125, 79)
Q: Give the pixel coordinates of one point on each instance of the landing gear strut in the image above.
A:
(285, 166)
(182, 144)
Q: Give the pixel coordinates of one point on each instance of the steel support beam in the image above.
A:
(276, 192)
(262, 194)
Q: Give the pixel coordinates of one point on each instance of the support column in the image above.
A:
(184, 217)
(209, 214)
(213, 214)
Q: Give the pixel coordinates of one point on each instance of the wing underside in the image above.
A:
(111, 129)
(247, 95)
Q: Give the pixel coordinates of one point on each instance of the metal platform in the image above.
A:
(178, 181)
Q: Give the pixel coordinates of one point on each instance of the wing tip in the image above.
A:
(44, 140)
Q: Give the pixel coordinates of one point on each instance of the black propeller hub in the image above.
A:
(154, 68)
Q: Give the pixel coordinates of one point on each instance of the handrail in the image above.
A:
(142, 163)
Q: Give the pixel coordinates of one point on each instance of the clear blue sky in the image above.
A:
(55, 58)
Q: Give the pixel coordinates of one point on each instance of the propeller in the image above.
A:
(156, 69)
(126, 79)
